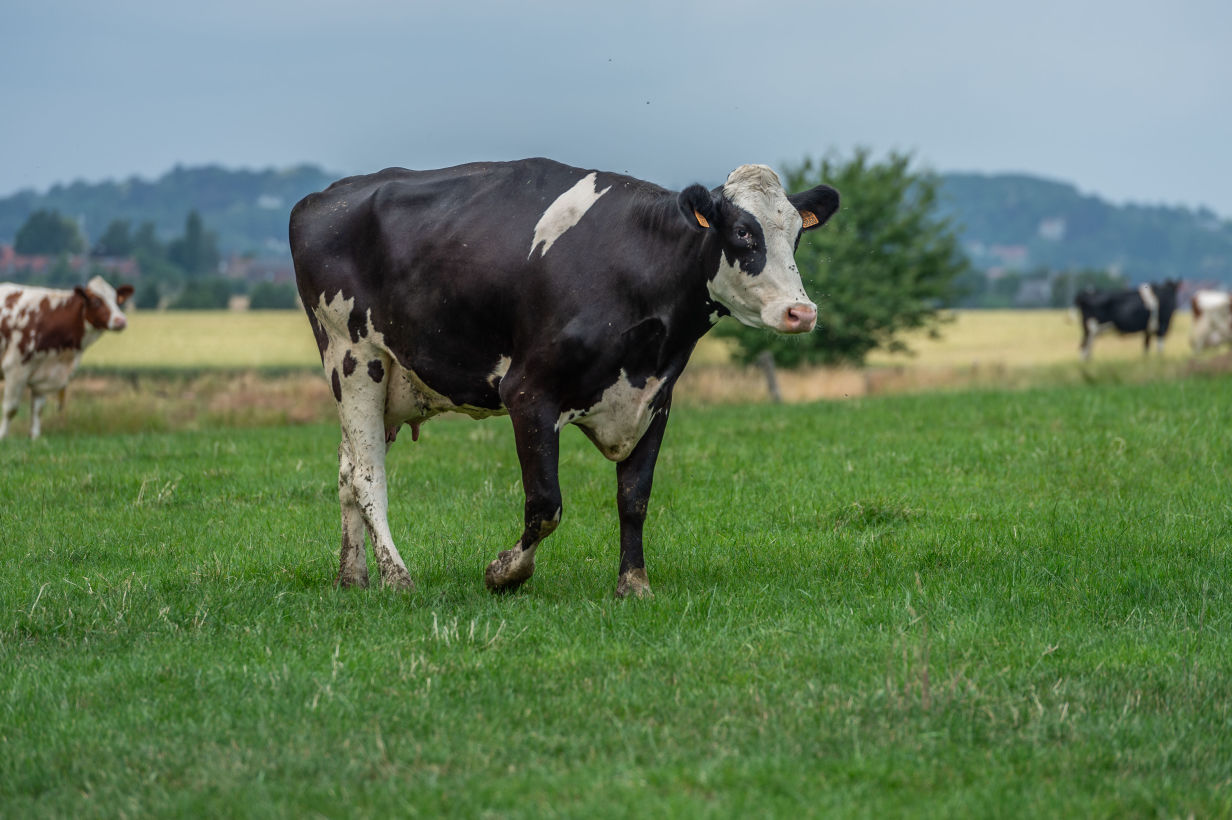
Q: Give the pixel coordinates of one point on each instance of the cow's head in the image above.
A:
(102, 303)
(759, 227)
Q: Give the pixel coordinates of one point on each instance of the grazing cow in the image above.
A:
(1146, 309)
(42, 335)
(552, 294)
(1212, 319)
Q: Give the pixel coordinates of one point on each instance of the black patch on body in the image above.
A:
(348, 364)
(376, 371)
(337, 385)
(357, 324)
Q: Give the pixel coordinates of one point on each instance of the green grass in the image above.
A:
(975, 604)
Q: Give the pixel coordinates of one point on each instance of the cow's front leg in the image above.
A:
(634, 477)
(538, 443)
(14, 384)
(36, 415)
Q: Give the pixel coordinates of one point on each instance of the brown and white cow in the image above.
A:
(42, 335)
(1212, 319)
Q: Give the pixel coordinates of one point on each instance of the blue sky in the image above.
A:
(1125, 99)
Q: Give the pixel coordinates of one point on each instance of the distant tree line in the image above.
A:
(180, 274)
(1036, 288)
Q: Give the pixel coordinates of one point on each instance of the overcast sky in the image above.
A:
(1126, 99)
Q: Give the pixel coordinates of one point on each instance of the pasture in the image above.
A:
(948, 604)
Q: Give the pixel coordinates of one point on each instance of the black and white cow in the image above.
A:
(1145, 309)
(554, 294)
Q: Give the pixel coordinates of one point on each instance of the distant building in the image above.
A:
(30, 266)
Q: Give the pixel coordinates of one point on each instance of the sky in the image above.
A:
(1127, 100)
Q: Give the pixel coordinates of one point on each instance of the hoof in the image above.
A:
(510, 570)
(397, 578)
(346, 581)
(635, 584)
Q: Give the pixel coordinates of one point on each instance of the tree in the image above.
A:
(886, 262)
(117, 240)
(197, 250)
(273, 296)
(48, 232)
(204, 293)
(1065, 286)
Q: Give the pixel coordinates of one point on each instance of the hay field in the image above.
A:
(281, 339)
(1025, 338)
(994, 348)
(208, 339)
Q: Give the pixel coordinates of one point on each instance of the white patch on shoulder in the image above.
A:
(619, 419)
(565, 212)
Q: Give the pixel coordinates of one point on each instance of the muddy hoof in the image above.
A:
(345, 581)
(634, 584)
(398, 579)
(509, 571)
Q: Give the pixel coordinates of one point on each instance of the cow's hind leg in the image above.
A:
(361, 408)
(353, 563)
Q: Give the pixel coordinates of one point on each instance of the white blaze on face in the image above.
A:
(565, 212)
(761, 300)
(100, 288)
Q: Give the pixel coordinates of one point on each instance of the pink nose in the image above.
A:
(799, 318)
(118, 323)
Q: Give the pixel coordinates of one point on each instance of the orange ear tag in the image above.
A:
(701, 220)
(810, 219)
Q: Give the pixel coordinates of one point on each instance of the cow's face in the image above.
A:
(103, 304)
(759, 227)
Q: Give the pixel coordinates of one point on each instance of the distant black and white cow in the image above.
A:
(554, 294)
(1212, 319)
(1145, 309)
(42, 335)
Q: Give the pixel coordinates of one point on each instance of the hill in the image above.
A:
(1006, 221)
(1019, 222)
(248, 210)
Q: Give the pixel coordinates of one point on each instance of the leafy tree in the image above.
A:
(196, 252)
(48, 232)
(117, 240)
(203, 293)
(886, 262)
(272, 296)
(1065, 286)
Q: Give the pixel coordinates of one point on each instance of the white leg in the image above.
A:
(36, 413)
(14, 384)
(362, 412)
(353, 562)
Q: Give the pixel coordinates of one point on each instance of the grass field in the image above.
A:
(978, 604)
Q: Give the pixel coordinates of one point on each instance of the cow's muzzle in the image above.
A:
(798, 318)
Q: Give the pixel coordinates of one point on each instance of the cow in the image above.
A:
(1145, 309)
(43, 333)
(1212, 319)
(553, 294)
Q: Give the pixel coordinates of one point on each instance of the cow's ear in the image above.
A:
(698, 208)
(123, 292)
(815, 205)
(80, 291)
